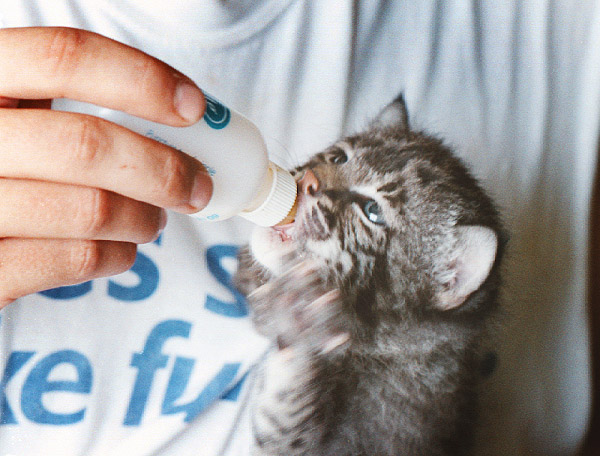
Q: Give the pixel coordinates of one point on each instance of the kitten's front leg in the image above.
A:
(288, 405)
(292, 398)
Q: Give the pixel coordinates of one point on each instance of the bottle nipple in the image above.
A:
(291, 215)
(278, 205)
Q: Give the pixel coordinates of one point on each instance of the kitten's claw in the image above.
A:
(336, 342)
(299, 310)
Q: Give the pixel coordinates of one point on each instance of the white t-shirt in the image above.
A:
(155, 361)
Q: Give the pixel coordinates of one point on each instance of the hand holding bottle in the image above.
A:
(78, 193)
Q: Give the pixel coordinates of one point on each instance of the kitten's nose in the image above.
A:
(309, 184)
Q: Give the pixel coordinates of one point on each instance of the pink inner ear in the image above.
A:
(471, 263)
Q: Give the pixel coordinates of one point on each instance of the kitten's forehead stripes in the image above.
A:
(390, 187)
(394, 192)
(398, 199)
(345, 197)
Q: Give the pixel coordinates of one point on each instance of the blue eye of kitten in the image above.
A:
(373, 212)
(339, 158)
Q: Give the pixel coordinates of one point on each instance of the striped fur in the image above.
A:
(379, 305)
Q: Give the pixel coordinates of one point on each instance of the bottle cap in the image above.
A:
(279, 202)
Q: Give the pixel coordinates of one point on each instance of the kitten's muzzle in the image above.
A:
(308, 185)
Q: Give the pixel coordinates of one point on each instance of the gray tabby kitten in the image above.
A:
(379, 297)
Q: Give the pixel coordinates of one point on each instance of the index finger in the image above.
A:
(56, 62)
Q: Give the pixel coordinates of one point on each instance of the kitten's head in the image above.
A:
(393, 209)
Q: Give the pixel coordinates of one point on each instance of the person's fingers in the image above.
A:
(47, 62)
(85, 150)
(79, 192)
(35, 209)
(32, 265)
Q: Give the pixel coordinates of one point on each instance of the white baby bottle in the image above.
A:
(232, 149)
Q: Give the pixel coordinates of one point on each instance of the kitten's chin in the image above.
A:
(271, 246)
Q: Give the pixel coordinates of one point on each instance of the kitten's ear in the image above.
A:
(394, 115)
(468, 265)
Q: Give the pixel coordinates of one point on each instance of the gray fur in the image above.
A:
(378, 326)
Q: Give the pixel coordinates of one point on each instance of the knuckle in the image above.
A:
(87, 139)
(85, 259)
(94, 212)
(149, 75)
(63, 50)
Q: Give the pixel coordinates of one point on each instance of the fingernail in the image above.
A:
(335, 342)
(188, 101)
(202, 190)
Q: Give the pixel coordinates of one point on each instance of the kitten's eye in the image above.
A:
(338, 157)
(373, 212)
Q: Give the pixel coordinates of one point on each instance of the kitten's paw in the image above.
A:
(303, 311)
(313, 323)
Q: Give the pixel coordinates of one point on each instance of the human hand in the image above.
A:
(78, 193)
